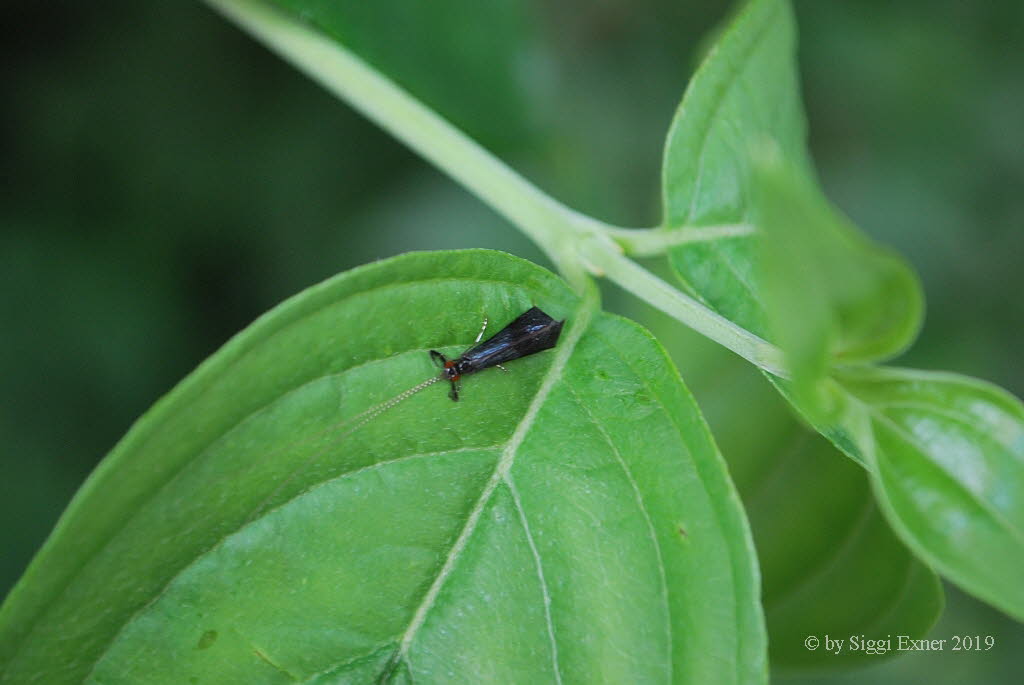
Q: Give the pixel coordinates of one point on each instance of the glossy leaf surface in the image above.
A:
(948, 454)
(570, 519)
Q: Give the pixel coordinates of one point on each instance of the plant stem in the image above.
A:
(632, 277)
(571, 240)
(419, 127)
(648, 242)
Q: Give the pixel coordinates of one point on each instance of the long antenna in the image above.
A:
(378, 409)
(351, 425)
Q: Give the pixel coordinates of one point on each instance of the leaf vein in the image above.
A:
(554, 373)
(647, 519)
(198, 381)
(221, 540)
(959, 420)
(981, 502)
(656, 395)
(540, 576)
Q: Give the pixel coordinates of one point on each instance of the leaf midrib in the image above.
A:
(199, 383)
(564, 351)
(981, 502)
(266, 512)
(163, 420)
(874, 410)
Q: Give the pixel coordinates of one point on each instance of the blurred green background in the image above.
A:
(166, 180)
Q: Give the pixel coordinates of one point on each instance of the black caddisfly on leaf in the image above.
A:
(531, 332)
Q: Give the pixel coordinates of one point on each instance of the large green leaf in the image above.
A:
(570, 519)
(803, 278)
(829, 561)
(947, 452)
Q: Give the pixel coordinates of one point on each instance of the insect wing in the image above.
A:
(531, 332)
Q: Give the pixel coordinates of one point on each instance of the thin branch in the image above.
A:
(344, 74)
(632, 277)
(649, 242)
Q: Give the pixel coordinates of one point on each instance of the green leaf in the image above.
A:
(570, 518)
(830, 563)
(831, 296)
(804, 278)
(745, 91)
(947, 452)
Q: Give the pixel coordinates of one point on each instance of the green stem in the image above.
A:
(381, 100)
(573, 241)
(632, 277)
(649, 242)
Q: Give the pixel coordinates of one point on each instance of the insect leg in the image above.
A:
(438, 358)
(481, 333)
